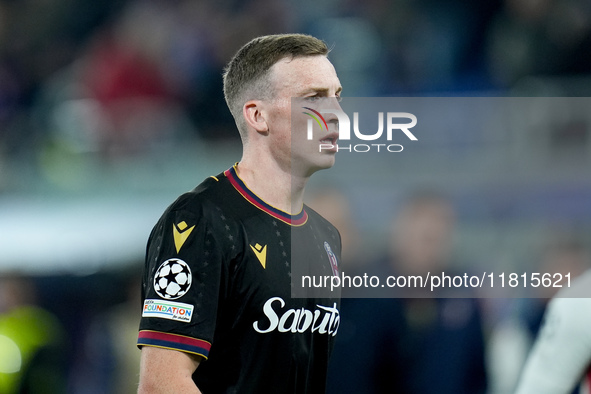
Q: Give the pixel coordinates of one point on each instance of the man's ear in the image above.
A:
(255, 117)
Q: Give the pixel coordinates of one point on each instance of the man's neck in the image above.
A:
(275, 185)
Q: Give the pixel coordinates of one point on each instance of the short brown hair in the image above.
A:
(247, 75)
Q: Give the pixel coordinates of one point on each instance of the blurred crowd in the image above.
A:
(119, 76)
(114, 80)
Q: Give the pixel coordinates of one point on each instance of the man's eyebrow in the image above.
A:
(315, 90)
(320, 90)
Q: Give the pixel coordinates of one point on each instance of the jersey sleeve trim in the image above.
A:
(174, 342)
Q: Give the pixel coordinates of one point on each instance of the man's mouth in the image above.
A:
(330, 139)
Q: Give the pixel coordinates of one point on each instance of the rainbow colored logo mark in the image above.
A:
(315, 118)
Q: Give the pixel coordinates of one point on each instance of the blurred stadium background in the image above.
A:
(110, 109)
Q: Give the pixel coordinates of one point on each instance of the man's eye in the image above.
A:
(312, 98)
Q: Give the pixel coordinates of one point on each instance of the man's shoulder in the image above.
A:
(316, 218)
(208, 195)
(323, 225)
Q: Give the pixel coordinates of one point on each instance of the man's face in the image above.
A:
(314, 81)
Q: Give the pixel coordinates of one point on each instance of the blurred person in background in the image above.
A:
(441, 347)
(519, 321)
(32, 342)
(563, 253)
(415, 344)
(526, 319)
(560, 360)
(109, 360)
(213, 324)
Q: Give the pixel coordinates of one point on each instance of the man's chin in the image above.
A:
(325, 164)
(309, 167)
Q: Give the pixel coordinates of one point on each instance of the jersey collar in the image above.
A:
(250, 196)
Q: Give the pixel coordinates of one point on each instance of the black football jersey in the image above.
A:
(218, 283)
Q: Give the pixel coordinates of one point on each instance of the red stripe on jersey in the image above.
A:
(174, 341)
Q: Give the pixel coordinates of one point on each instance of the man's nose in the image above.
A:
(331, 109)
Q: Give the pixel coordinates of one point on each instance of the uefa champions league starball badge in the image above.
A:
(173, 279)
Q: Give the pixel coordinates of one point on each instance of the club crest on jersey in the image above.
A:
(332, 258)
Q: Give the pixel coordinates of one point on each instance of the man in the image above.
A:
(218, 315)
(422, 345)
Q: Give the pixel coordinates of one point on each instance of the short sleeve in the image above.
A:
(182, 282)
